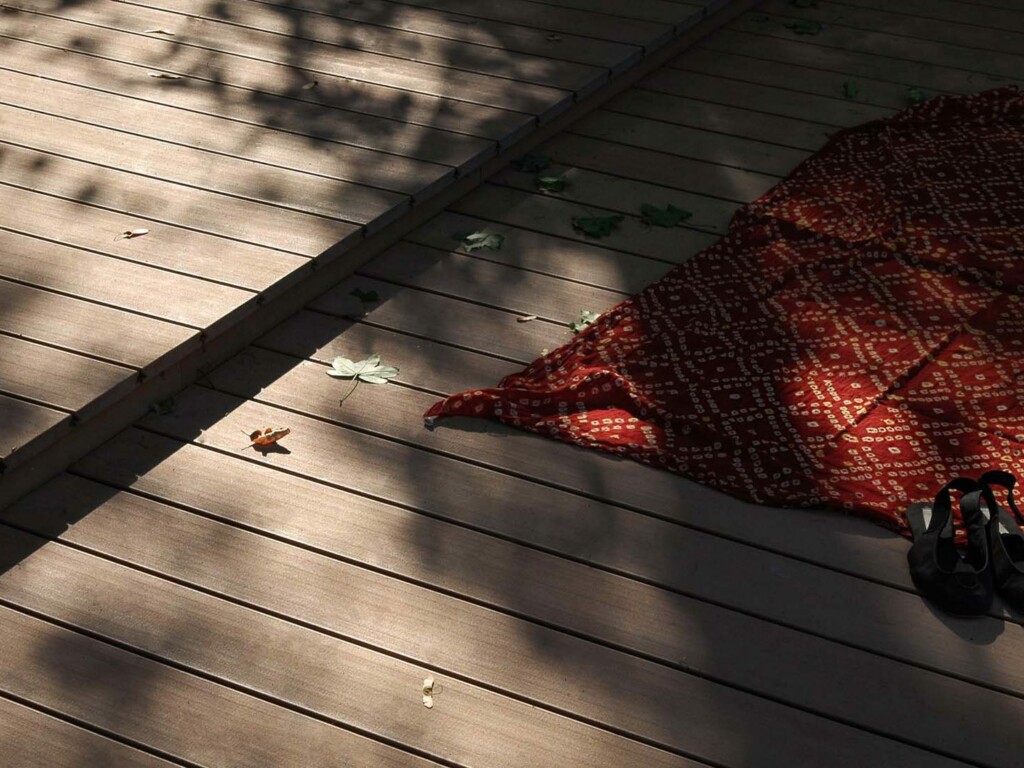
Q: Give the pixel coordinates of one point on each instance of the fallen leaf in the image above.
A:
(805, 27)
(159, 32)
(163, 407)
(310, 85)
(128, 234)
(164, 76)
(367, 297)
(850, 89)
(531, 163)
(262, 438)
(669, 216)
(526, 318)
(587, 318)
(916, 95)
(428, 692)
(474, 241)
(369, 370)
(596, 226)
(550, 183)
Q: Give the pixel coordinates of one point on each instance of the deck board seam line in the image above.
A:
(906, 34)
(457, 40)
(280, 64)
(518, 615)
(673, 154)
(107, 304)
(897, 10)
(530, 270)
(34, 401)
(234, 195)
(297, 98)
(98, 730)
(70, 350)
(820, 68)
(703, 129)
(223, 682)
(944, 64)
(513, 313)
(559, 30)
(151, 218)
(784, 89)
(241, 121)
(128, 259)
(221, 153)
(262, 30)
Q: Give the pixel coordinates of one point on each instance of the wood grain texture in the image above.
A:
(21, 422)
(55, 378)
(33, 739)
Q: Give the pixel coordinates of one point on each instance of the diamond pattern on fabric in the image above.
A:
(854, 341)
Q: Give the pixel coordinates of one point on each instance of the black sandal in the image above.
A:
(959, 581)
(1005, 541)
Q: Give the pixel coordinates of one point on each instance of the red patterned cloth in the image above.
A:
(854, 341)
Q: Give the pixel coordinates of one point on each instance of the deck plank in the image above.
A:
(469, 725)
(210, 40)
(566, 594)
(22, 422)
(292, 21)
(123, 59)
(171, 710)
(33, 739)
(86, 274)
(92, 329)
(55, 378)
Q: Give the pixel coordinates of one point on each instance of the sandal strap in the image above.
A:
(1005, 480)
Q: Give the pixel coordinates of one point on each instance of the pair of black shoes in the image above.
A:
(962, 578)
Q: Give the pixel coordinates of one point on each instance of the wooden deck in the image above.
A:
(174, 600)
(258, 142)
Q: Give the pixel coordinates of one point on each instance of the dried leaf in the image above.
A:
(550, 183)
(164, 76)
(367, 297)
(310, 85)
(531, 163)
(369, 370)
(669, 216)
(159, 32)
(916, 95)
(586, 318)
(805, 27)
(428, 692)
(850, 89)
(474, 241)
(526, 318)
(128, 234)
(596, 226)
(263, 438)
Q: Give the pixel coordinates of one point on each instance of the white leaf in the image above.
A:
(343, 367)
(164, 76)
(369, 370)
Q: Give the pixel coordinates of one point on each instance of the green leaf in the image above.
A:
(804, 3)
(805, 27)
(367, 297)
(531, 163)
(550, 183)
(473, 241)
(850, 89)
(916, 95)
(586, 318)
(596, 226)
(669, 216)
(369, 370)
